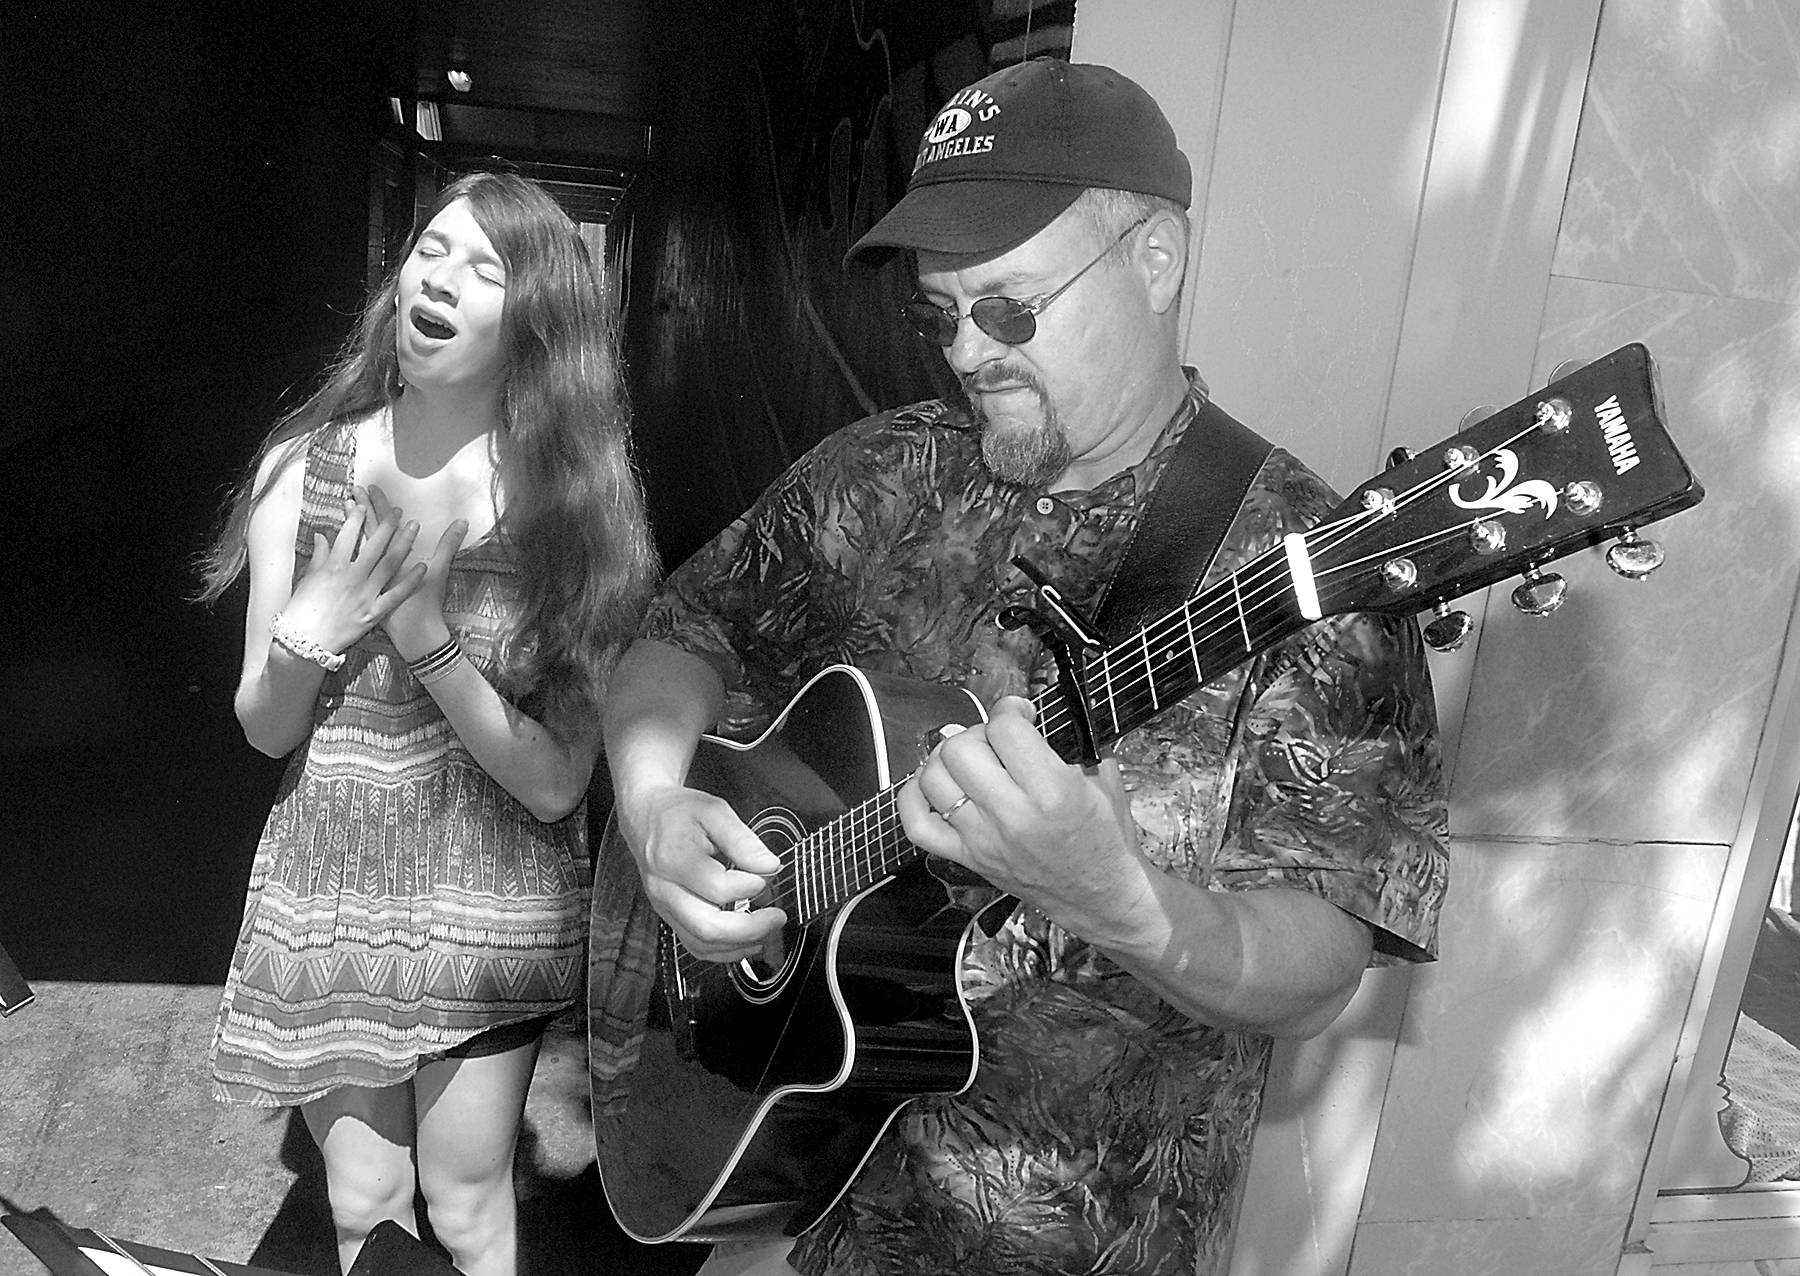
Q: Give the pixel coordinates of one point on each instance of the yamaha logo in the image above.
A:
(1617, 433)
(950, 121)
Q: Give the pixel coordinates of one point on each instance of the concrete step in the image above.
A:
(107, 1122)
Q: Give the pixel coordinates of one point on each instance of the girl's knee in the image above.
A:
(470, 1216)
(365, 1194)
(366, 1138)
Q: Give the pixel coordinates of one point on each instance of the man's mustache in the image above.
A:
(994, 377)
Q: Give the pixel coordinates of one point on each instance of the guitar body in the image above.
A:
(761, 1086)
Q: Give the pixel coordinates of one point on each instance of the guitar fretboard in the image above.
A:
(1126, 685)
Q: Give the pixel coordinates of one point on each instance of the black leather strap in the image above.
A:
(1196, 498)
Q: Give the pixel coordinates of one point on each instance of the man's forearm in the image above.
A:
(1278, 961)
(660, 701)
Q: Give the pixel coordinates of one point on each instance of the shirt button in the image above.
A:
(1045, 505)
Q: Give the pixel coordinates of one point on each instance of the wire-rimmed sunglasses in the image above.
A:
(1005, 319)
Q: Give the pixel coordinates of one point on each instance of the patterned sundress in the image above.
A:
(400, 901)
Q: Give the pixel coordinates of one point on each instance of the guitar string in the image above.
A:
(1267, 579)
(1167, 630)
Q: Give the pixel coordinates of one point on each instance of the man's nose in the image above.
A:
(972, 347)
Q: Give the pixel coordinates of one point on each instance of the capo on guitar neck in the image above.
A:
(1071, 638)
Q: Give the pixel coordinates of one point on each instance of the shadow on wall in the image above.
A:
(1609, 749)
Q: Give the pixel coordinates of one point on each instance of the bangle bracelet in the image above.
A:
(437, 663)
(298, 644)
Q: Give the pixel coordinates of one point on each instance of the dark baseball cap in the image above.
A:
(1004, 157)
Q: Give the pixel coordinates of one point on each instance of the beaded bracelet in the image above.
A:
(298, 644)
(437, 663)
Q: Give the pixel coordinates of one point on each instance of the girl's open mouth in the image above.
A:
(436, 329)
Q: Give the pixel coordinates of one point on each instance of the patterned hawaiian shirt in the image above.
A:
(1105, 1131)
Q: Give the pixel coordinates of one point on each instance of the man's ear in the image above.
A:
(1163, 251)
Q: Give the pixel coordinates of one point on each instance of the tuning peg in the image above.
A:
(1540, 593)
(1633, 557)
(1449, 628)
(1584, 497)
(1553, 416)
(1475, 416)
(1400, 456)
(1566, 367)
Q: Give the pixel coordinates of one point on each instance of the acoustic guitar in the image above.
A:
(740, 1100)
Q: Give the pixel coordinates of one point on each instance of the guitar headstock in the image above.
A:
(1584, 460)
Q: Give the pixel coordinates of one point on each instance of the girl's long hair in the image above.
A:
(572, 506)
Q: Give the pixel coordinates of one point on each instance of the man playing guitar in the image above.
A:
(1222, 878)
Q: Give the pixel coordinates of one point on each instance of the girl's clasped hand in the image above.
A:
(363, 579)
(354, 582)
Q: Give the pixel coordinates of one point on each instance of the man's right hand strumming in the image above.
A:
(701, 865)
(699, 862)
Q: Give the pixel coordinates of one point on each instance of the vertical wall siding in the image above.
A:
(1683, 223)
(1416, 209)
(1607, 754)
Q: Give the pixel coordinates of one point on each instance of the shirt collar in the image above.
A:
(1123, 487)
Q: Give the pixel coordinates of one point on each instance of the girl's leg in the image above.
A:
(469, 1113)
(366, 1137)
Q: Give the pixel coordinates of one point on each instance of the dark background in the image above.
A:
(188, 238)
(186, 216)
(194, 198)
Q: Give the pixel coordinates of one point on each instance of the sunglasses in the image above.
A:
(1005, 319)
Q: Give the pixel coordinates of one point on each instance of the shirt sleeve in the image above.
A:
(740, 603)
(1338, 787)
(1333, 777)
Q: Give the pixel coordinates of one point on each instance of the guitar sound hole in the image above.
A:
(767, 969)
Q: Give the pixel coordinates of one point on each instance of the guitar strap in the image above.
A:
(1184, 525)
